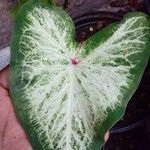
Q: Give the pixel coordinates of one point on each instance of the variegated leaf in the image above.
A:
(67, 97)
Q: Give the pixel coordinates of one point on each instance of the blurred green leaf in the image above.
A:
(15, 10)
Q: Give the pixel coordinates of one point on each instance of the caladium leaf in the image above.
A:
(67, 96)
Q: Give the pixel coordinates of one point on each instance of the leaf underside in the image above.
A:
(66, 106)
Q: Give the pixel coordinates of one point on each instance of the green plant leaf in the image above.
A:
(15, 10)
(67, 97)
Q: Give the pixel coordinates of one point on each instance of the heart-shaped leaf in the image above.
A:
(67, 96)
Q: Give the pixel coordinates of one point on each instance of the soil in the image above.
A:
(139, 106)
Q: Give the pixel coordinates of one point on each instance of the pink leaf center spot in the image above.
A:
(74, 61)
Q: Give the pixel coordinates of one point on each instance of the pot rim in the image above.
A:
(94, 17)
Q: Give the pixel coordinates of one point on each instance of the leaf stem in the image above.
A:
(65, 4)
(80, 47)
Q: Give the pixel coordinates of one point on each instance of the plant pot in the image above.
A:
(147, 6)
